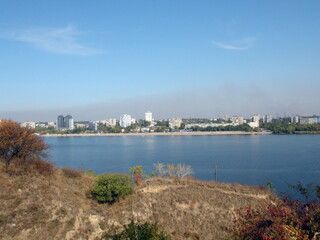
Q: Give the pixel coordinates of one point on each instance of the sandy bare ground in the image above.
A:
(156, 134)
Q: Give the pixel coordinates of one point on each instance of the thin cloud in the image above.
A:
(56, 40)
(242, 44)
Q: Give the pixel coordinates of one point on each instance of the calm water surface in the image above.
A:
(239, 158)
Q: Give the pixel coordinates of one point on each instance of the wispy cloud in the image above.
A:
(242, 44)
(57, 40)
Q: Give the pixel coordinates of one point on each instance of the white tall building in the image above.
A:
(254, 121)
(148, 116)
(125, 120)
(295, 119)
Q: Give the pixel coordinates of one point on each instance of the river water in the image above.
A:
(245, 159)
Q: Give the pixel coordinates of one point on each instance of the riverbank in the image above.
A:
(156, 134)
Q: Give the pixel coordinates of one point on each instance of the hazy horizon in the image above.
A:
(202, 103)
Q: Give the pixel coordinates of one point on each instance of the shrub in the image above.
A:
(70, 173)
(110, 187)
(135, 231)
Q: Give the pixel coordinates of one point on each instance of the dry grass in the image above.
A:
(70, 173)
(56, 207)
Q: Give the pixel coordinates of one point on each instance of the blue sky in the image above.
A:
(98, 59)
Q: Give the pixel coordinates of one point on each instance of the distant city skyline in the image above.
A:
(176, 59)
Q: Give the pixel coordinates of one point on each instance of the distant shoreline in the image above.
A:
(156, 134)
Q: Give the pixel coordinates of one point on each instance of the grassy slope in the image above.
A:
(58, 207)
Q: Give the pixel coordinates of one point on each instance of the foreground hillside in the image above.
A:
(59, 206)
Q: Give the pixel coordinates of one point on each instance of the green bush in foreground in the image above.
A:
(110, 187)
(135, 231)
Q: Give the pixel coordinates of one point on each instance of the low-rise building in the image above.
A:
(175, 123)
(51, 124)
(308, 120)
(112, 122)
(42, 125)
(93, 126)
(31, 125)
(81, 125)
(237, 120)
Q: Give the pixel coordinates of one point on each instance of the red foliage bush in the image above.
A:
(286, 220)
(19, 143)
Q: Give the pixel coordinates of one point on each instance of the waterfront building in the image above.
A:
(225, 117)
(308, 120)
(103, 122)
(81, 125)
(175, 123)
(31, 125)
(267, 118)
(237, 120)
(42, 125)
(108, 122)
(148, 116)
(133, 120)
(125, 120)
(112, 122)
(93, 126)
(51, 124)
(60, 122)
(254, 121)
(295, 119)
(65, 123)
(205, 125)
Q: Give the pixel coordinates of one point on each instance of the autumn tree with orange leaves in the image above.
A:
(19, 143)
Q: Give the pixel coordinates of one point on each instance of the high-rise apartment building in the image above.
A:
(125, 120)
(65, 123)
(267, 118)
(254, 121)
(148, 116)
